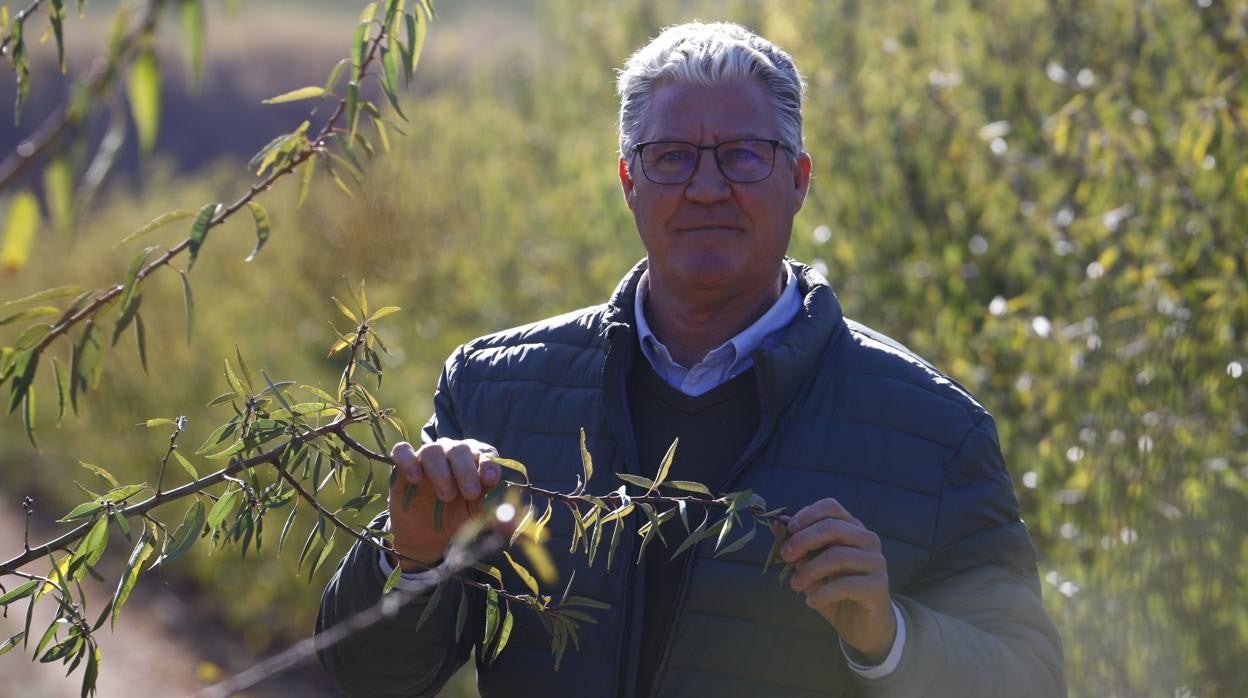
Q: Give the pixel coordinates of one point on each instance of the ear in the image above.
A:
(627, 185)
(801, 180)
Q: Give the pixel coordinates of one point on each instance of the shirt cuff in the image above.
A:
(407, 580)
(889, 665)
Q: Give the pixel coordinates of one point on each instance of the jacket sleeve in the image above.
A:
(975, 625)
(391, 658)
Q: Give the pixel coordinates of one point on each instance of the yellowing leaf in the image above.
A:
(20, 226)
(143, 87)
(310, 92)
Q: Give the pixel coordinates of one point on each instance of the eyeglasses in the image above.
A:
(744, 161)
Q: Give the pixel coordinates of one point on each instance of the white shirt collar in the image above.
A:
(729, 359)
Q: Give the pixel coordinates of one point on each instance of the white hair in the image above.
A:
(709, 54)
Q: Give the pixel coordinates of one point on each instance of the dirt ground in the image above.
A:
(161, 645)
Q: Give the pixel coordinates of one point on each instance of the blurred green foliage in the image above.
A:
(1045, 198)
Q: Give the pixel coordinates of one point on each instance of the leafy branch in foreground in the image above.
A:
(334, 144)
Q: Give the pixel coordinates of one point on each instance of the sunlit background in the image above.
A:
(1045, 198)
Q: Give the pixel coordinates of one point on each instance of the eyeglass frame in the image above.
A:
(775, 147)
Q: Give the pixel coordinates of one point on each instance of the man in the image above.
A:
(914, 574)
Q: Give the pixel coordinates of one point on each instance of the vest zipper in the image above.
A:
(765, 427)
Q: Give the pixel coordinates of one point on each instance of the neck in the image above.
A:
(690, 326)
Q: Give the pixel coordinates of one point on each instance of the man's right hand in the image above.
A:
(457, 472)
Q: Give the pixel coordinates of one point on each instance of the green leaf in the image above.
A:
(189, 303)
(724, 530)
(687, 486)
(20, 227)
(345, 310)
(142, 550)
(395, 575)
(523, 573)
(773, 555)
(61, 376)
(199, 230)
(56, 15)
(615, 542)
(504, 634)
(157, 222)
(262, 228)
(186, 465)
(584, 601)
(29, 314)
(738, 543)
(335, 74)
(232, 379)
(140, 340)
(491, 616)
(12, 642)
(193, 28)
(47, 294)
(24, 376)
(102, 474)
(417, 27)
(430, 605)
(93, 544)
(20, 592)
(28, 416)
(143, 87)
(222, 508)
(587, 462)
(58, 193)
(382, 312)
(85, 367)
(219, 434)
(302, 93)
(122, 493)
(305, 182)
(666, 465)
(352, 110)
(81, 511)
(290, 520)
(642, 482)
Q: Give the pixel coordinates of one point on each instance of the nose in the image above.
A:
(708, 184)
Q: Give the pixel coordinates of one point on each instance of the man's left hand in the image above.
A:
(840, 568)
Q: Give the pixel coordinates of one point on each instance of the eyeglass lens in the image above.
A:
(741, 161)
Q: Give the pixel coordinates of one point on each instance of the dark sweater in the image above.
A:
(714, 429)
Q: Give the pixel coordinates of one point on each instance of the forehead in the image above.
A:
(706, 113)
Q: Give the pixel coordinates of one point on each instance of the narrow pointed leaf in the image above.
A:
(523, 573)
(310, 92)
(20, 227)
(199, 230)
(687, 486)
(262, 228)
(142, 550)
(666, 465)
(157, 222)
(143, 88)
(587, 461)
(642, 482)
(189, 304)
(19, 592)
(504, 634)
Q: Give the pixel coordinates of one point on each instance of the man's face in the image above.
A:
(710, 236)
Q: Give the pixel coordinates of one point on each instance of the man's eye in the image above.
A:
(740, 154)
(672, 156)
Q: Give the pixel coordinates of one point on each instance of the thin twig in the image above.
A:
(94, 83)
(18, 18)
(271, 456)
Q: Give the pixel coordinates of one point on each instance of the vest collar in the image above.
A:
(782, 368)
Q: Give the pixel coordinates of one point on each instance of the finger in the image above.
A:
(836, 561)
(405, 461)
(433, 462)
(827, 508)
(488, 471)
(827, 532)
(463, 463)
(856, 587)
